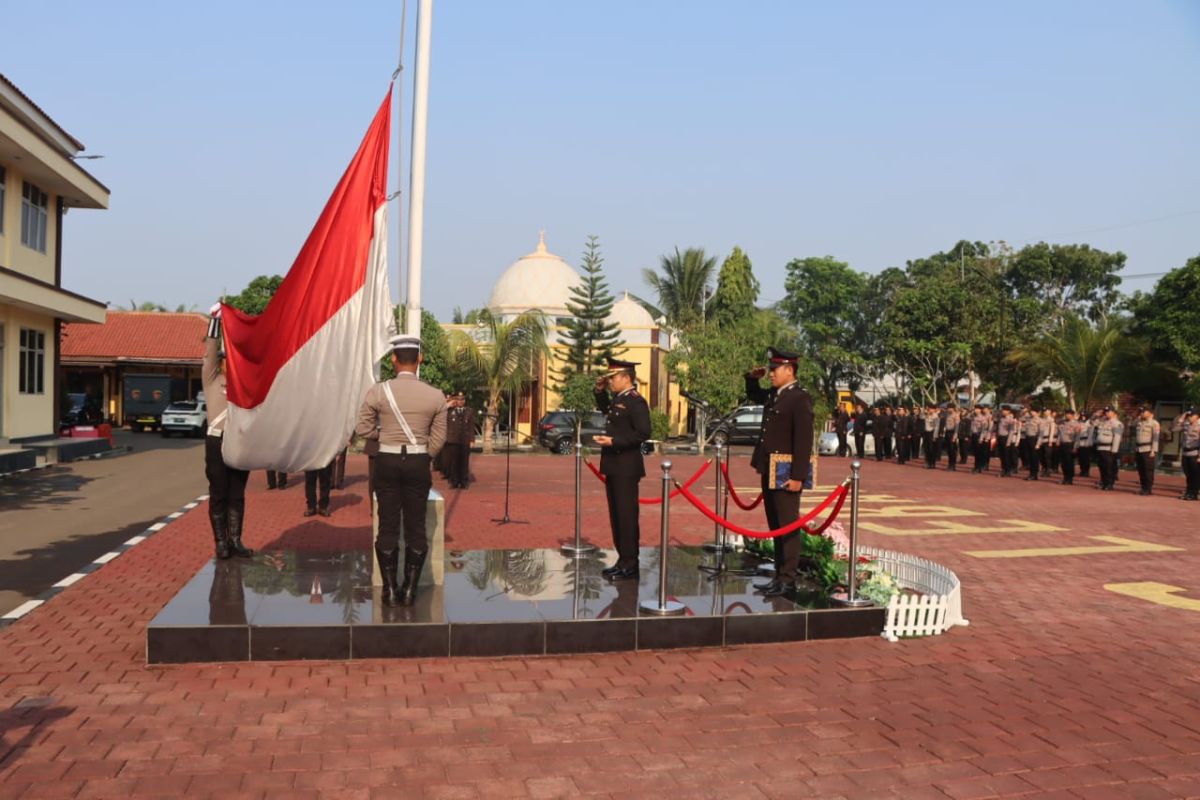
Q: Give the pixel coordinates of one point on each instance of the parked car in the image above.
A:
(556, 432)
(741, 428)
(827, 444)
(186, 417)
(81, 410)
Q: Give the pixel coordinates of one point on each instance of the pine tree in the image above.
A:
(737, 289)
(590, 338)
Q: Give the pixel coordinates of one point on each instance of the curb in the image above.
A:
(4, 475)
(20, 611)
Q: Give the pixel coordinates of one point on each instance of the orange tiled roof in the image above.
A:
(137, 336)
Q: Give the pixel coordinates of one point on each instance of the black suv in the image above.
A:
(741, 428)
(556, 430)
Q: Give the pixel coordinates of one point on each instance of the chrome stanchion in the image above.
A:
(718, 544)
(664, 607)
(850, 596)
(580, 548)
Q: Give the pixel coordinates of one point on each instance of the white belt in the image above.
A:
(403, 449)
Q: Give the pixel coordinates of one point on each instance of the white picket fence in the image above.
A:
(936, 608)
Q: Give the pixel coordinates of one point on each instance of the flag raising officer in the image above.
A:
(781, 456)
(408, 418)
(627, 426)
(226, 485)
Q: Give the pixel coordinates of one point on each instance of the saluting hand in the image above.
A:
(758, 373)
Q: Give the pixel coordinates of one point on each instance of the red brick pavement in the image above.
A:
(1058, 688)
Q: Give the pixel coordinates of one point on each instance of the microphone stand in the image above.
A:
(506, 519)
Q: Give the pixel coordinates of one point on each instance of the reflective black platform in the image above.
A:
(320, 605)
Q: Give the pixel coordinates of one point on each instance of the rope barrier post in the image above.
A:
(850, 596)
(579, 549)
(664, 607)
(718, 545)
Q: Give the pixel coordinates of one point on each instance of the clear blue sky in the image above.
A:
(873, 131)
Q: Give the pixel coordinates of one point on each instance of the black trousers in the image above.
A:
(879, 447)
(312, 477)
(1085, 462)
(982, 448)
(931, 453)
(951, 445)
(1044, 454)
(1191, 472)
(902, 448)
(276, 478)
(457, 458)
(1066, 460)
(623, 513)
(1108, 467)
(226, 485)
(402, 484)
(887, 446)
(1014, 458)
(843, 448)
(339, 469)
(967, 446)
(1030, 455)
(783, 508)
(1145, 468)
(860, 443)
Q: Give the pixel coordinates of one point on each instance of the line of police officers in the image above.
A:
(1038, 441)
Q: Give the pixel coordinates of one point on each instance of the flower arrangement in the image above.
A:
(874, 583)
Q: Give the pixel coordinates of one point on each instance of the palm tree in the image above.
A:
(501, 356)
(682, 285)
(1088, 360)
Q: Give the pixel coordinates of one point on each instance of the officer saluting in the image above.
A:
(1146, 432)
(628, 425)
(408, 418)
(782, 456)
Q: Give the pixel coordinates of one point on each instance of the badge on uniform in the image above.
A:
(780, 468)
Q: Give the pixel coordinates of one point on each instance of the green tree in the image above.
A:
(499, 358)
(589, 336)
(1087, 359)
(577, 395)
(682, 285)
(1169, 319)
(1066, 279)
(737, 288)
(254, 298)
(824, 299)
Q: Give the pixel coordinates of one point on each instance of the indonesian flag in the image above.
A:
(297, 373)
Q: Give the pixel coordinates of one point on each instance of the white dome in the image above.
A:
(629, 313)
(539, 280)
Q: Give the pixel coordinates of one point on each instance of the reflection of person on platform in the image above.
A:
(227, 598)
(782, 457)
(627, 426)
(408, 418)
(226, 485)
(625, 604)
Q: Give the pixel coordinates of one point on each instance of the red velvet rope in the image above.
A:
(737, 501)
(653, 501)
(839, 495)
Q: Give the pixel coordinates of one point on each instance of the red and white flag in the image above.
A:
(296, 374)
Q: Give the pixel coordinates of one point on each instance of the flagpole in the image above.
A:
(397, 78)
(416, 195)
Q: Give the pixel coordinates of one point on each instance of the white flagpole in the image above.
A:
(398, 195)
(416, 195)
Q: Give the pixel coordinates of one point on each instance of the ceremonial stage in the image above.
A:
(320, 604)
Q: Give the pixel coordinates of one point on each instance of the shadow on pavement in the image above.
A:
(54, 486)
(31, 714)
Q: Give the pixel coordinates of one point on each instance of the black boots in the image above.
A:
(414, 560)
(220, 534)
(389, 560)
(235, 534)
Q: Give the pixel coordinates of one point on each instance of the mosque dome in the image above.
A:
(629, 313)
(539, 280)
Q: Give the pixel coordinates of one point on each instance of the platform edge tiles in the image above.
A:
(306, 606)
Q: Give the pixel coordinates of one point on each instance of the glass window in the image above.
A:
(34, 215)
(31, 360)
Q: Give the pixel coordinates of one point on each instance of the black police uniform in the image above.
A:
(621, 465)
(787, 429)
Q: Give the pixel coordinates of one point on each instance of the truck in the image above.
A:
(146, 398)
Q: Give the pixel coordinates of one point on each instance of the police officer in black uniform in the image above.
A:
(786, 437)
(627, 426)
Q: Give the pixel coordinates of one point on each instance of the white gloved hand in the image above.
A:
(215, 311)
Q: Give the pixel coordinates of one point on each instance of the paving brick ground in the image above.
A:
(1058, 688)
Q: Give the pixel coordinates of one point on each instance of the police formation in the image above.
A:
(1035, 442)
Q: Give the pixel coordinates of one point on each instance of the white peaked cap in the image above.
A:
(405, 342)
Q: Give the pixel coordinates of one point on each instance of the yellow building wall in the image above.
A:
(25, 414)
(13, 254)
